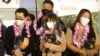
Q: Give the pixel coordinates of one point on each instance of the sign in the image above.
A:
(69, 7)
(9, 3)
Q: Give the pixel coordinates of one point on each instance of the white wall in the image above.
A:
(8, 15)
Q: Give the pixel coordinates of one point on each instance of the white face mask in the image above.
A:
(20, 22)
(51, 24)
(84, 21)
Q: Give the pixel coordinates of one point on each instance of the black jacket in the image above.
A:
(3, 36)
(9, 40)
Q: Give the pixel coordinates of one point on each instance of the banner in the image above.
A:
(69, 7)
(9, 3)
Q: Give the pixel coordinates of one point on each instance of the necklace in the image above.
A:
(17, 32)
(84, 35)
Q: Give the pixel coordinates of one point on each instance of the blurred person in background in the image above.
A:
(47, 9)
(34, 41)
(2, 36)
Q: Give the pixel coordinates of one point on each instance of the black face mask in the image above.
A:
(46, 12)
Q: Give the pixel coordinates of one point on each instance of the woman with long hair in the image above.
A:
(82, 39)
(52, 38)
(33, 47)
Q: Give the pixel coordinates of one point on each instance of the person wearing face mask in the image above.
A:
(47, 6)
(34, 40)
(52, 38)
(82, 39)
(18, 37)
(47, 9)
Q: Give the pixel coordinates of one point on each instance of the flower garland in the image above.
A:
(27, 29)
(16, 31)
(80, 43)
(0, 30)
